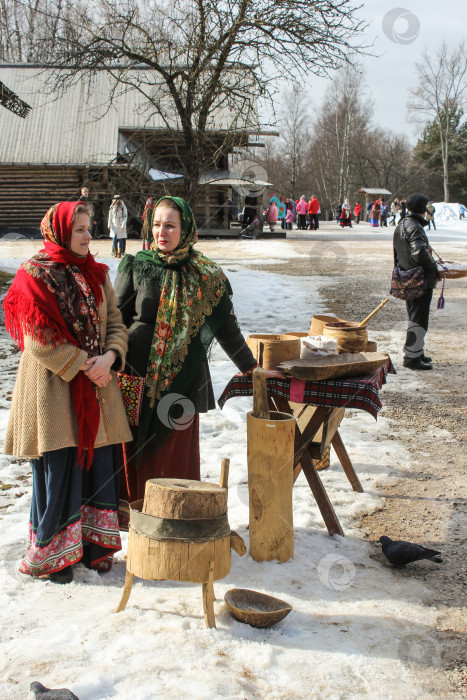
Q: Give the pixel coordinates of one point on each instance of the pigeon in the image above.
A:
(43, 693)
(401, 553)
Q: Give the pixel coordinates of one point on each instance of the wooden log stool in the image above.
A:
(180, 532)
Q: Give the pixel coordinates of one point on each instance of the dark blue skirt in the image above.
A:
(73, 512)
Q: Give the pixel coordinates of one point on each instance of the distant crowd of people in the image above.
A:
(306, 214)
(289, 211)
(285, 211)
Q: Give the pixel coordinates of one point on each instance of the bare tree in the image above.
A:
(27, 25)
(339, 131)
(295, 125)
(207, 62)
(439, 94)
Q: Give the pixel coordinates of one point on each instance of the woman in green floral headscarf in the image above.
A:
(175, 301)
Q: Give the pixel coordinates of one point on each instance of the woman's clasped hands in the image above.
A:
(97, 368)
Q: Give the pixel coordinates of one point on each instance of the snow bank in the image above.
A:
(447, 214)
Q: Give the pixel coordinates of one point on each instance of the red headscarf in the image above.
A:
(54, 298)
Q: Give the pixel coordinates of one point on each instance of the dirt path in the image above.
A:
(429, 503)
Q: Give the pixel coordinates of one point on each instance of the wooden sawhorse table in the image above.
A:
(318, 408)
(316, 430)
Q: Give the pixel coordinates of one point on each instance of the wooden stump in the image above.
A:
(184, 499)
(270, 481)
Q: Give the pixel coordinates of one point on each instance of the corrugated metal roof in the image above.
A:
(77, 127)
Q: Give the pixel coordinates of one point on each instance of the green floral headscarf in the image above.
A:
(194, 304)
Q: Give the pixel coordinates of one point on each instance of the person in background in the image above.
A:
(462, 211)
(294, 208)
(412, 249)
(289, 219)
(375, 213)
(357, 211)
(346, 219)
(369, 207)
(84, 197)
(175, 301)
(403, 208)
(383, 214)
(302, 208)
(394, 211)
(67, 416)
(338, 212)
(250, 210)
(117, 224)
(287, 207)
(272, 215)
(313, 211)
(146, 233)
(430, 215)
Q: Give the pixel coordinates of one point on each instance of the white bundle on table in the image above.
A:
(313, 346)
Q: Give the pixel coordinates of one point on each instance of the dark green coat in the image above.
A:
(139, 303)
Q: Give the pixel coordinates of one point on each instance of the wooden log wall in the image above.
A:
(27, 192)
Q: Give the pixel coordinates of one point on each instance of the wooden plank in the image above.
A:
(324, 504)
(330, 426)
(347, 465)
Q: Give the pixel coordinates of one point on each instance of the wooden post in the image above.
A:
(270, 480)
(126, 592)
(208, 599)
(260, 394)
(224, 480)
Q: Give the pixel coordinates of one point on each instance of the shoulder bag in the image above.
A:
(131, 389)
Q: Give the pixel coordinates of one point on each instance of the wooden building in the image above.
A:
(78, 137)
(370, 194)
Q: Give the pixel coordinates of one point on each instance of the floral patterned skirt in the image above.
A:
(73, 512)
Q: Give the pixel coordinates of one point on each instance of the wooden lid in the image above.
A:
(184, 499)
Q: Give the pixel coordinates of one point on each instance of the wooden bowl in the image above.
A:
(350, 336)
(318, 323)
(256, 609)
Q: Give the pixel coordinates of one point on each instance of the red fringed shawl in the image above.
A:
(54, 298)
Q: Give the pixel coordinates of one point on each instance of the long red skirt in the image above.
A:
(178, 458)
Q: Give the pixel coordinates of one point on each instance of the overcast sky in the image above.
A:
(413, 26)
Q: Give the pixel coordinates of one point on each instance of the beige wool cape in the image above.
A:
(42, 416)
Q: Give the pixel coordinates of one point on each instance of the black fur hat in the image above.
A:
(416, 203)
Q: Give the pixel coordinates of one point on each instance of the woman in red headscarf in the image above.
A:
(67, 414)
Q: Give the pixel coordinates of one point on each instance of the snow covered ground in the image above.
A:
(358, 627)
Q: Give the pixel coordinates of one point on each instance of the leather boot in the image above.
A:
(63, 576)
(416, 363)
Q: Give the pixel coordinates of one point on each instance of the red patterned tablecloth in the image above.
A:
(351, 392)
